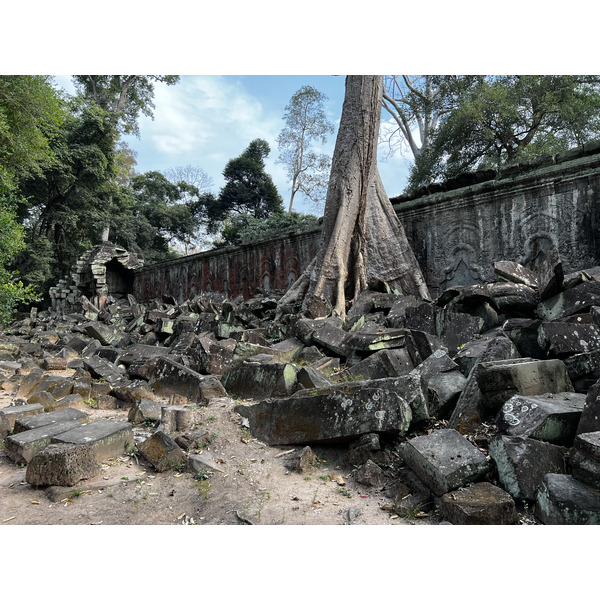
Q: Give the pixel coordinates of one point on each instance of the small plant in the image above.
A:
(203, 488)
(75, 494)
(90, 402)
(324, 478)
(202, 475)
(2, 444)
(345, 492)
(307, 478)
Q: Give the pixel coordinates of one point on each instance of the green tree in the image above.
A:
(248, 188)
(156, 214)
(30, 113)
(123, 96)
(502, 120)
(244, 229)
(67, 201)
(305, 125)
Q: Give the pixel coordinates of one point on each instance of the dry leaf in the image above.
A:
(35, 502)
(9, 519)
(339, 480)
(179, 517)
(178, 474)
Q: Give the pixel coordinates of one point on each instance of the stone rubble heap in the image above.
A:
(480, 402)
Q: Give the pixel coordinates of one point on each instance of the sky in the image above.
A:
(206, 120)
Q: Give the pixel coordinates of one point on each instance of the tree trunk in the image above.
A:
(362, 241)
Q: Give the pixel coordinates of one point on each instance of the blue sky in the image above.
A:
(207, 120)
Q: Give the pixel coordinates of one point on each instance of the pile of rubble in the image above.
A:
(479, 402)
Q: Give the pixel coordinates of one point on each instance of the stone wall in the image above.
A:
(457, 234)
(457, 231)
(266, 265)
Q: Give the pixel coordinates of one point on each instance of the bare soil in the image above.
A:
(252, 486)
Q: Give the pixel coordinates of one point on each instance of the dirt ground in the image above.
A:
(253, 486)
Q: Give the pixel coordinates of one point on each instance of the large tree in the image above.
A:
(498, 120)
(248, 188)
(362, 241)
(305, 125)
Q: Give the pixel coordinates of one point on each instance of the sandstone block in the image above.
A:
(162, 452)
(62, 465)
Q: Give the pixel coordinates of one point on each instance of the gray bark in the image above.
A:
(362, 240)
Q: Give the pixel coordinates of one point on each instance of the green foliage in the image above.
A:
(248, 188)
(244, 229)
(306, 124)
(154, 213)
(503, 120)
(123, 96)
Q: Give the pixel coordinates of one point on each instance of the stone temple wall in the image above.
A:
(267, 265)
(457, 230)
(458, 234)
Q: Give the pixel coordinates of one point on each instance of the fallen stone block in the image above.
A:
(522, 463)
(109, 439)
(561, 339)
(562, 500)
(332, 338)
(328, 365)
(457, 329)
(421, 345)
(74, 401)
(583, 369)
(381, 340)
(101, 368)
(22, 447)
(256, 380)
(163, 453)
(63, 465)
(499, 380)
(106, 335)
(396, 316)
(140, 353)
(47, 418)
(370, 474)
(513, 299)
(177, 418)
(301, 460)
(523, 333)
(443, 391)
(469, 410)
(193, 440)
(342, 413)
(590, 415)
(131, 392)
(54, 363)
(585, 458)
(549, 271)
(201, 463)
(549, 418)
(507, 270)
(12, 413)
(444, 460)
(423, 317)
(145, 410)
(384, 363)
(172, 378)
(479, 504)
(366, 447)
(311, 378)
(572, 301)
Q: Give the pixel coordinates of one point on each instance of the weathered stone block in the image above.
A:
(200, 463)
(172, 378)
(522, 463)
(162, 452)
(132, 391)
(74, 401)
(480, 504)
(370, 474)
(590, 415)
(380, 340)
(12, 413)
(308, 377)
(332, 338)
(145, 410)
(106, 335)
(562, 500)
(514, 299)
(444, 460)
(384, 363)
(511, 271)
(345, 412)
(22, 447)
(564, 339)
(109, 439)
(256, 380)
(47, 418)
(550, 418)
(572, 301)
(103, 369)
(499, 380)
(301, 461)
(458, 329)
(585, 458)
(63, 465)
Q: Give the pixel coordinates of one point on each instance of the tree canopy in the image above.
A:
(305, 125)
(248, 188)
(472, 122)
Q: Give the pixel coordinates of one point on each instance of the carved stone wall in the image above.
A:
(458, 234)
